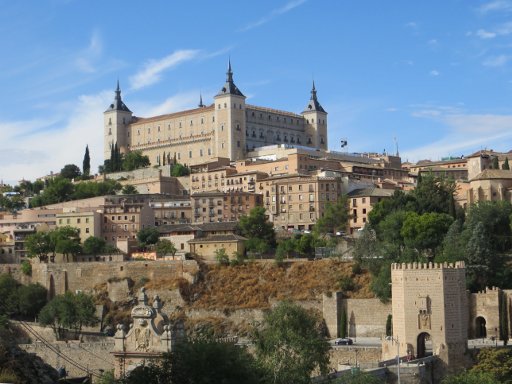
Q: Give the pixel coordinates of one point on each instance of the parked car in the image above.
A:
(345, 341)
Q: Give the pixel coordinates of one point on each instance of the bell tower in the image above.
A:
(116, 123)
(316, 122)
(230, 120)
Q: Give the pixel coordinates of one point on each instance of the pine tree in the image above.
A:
(86, 166)
(505, 165)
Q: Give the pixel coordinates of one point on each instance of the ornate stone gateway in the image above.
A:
(148, 338)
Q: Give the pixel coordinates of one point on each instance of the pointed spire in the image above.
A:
(313, 91)
(313, 104)
(230, 87)
(118, 104)
(229, 73)
(201, 105)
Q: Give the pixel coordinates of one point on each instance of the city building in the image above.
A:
(218, 206)
(361, 202)
(227, 128)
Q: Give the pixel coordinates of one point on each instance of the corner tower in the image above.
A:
(116, 123)
(230, 120)
(316, 122)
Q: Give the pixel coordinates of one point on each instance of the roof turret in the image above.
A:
(230, 88)
(313, 104)
(118, 104)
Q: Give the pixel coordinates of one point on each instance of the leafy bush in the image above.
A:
(26, 268)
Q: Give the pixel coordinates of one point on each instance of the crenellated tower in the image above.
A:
(230, 120)
(116, 122)
(316, 122)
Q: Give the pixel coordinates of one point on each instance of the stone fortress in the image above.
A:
(227, 128)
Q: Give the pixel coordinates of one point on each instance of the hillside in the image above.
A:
(257, 284)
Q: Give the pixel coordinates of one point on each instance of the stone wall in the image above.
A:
(365, 317)
(485, 304)
(58, 278)
(93, 356)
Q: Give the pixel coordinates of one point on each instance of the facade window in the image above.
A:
(218, 106)
(87, 230)
(209, 151)
(190, 154)
(238, 143)
(78, 221)
(200, 152)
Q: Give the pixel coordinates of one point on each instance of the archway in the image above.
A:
(480, 327)
(423, 345)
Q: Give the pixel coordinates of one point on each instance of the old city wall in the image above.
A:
(88, 355)
(365, 317)
(59, 278)
(485, 304)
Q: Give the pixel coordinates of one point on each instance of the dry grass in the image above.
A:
(255, 285)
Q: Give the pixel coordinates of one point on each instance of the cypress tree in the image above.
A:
(164, 159)
(86, 166)
(343, 324)
(505, 165)
(389, 325)
(495, 163)
(503, 313)
(112, 158)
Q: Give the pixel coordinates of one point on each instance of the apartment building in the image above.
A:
(171, 210)
(297, 201)
(210, 207)
(87, 222)
(361, 202)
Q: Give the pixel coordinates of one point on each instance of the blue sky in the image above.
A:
(434, 75)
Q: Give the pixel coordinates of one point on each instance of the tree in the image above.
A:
(178, 170)
(389, 325)
(8, 290)
(135, 160)
(497, 362)
(68, 311)
(495, 163)
(425, 233)
(256, 225)
(305, 245)
(165, 247)
(70, 171)
(201, 361)
(289, 345)
(66, 240)
(434, 194)
(343, 324)
(39, 245)
(86, 164)
(358, 378)
(453, 247)
(471, 377)
(257, 245)
(505, 165)
(31, 299)
(94, 245)
(129, 190)
(147, 236)
(335, 217)
(479, 257)
(221, 256)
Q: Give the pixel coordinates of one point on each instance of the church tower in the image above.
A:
(316, 122)
(230, 120)
(116, 122)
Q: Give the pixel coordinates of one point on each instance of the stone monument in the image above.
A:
(149, 337)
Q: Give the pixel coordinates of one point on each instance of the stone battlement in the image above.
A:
(403, 266)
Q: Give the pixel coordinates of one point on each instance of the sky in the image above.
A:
(431, 79)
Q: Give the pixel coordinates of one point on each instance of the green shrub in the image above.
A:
(346, 284)
(26, 268)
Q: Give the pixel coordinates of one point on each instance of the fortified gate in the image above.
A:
(430, 312)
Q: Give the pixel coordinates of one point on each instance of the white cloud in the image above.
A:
(274, 13)
(483, 34)
(465, 132)
(432, 42)
(153, 69)
(496, 6)
(496, 61)
(51, 149)
(85, 62)
(175, 103)
(412, 24)
(434, 73)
